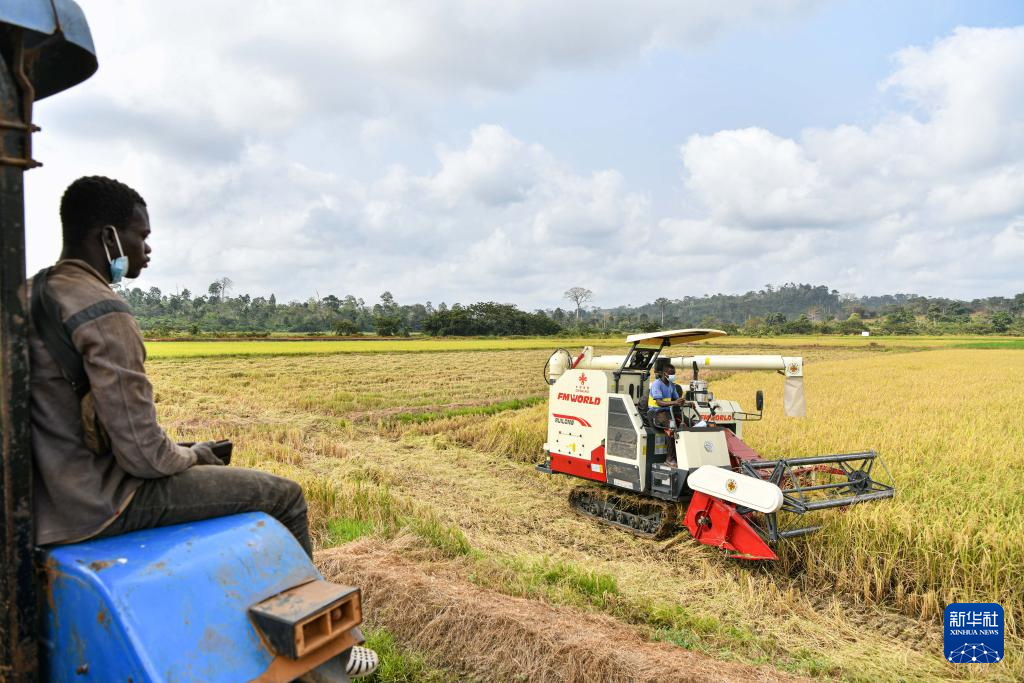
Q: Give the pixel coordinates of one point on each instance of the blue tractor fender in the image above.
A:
(176, 604)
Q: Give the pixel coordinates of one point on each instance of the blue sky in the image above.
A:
(462, 151)
(819, 69)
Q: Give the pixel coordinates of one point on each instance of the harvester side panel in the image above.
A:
(578, 424)
(585, 468)
(578, 413)
(625, 445)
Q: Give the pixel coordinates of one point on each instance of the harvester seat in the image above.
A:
(642, 407)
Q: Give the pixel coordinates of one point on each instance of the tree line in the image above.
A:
(787, 309)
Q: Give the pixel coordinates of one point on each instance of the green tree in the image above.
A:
(387, 321)
(1001, 321)
(852, 325)
(579, 296)
(345, 328)
(899, 320)
(662, 303)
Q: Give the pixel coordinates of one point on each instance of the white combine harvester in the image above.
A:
(599, 429)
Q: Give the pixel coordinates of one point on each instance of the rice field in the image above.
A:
(429, 457)
(278, 347)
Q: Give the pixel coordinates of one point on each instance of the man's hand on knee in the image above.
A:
(204, 453)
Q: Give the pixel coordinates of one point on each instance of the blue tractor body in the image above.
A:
(168, 604)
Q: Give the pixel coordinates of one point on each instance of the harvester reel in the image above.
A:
(859, 480)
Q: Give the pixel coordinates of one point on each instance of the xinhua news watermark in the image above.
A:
(974, 633)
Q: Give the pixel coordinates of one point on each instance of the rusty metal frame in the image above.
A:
(18, 590)
(28, 95)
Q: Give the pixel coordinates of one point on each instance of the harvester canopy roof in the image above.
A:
(671, 337)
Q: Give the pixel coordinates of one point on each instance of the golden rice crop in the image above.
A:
(361, 432)
(278, 347)
(947, 424)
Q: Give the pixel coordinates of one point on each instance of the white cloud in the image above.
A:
(496, 169)
(957, 158)
(253, 145)
(1008, 244)
(924, 200)
(237, 69)
(284, 227)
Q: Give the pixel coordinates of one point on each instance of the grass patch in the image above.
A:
(558, 580)
(344, 530)
(568, 583)
(590, 584)
(361, 503)
(516, 434)
(398, 664)
(489, 409)
(1002, 344)
(448, 539)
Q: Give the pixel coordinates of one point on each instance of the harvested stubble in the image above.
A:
(494, 637)
(959, 495)
(953, 531)
(528, 543)
(358, 388)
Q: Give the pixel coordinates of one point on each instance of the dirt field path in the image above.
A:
(506, 508)
(494, 637)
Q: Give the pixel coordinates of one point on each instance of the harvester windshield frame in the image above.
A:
(631, 367)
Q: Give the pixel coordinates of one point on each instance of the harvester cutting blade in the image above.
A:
(820, 482)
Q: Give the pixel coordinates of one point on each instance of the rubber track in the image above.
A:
(630, 504)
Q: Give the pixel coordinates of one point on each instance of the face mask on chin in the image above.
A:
(119, 265)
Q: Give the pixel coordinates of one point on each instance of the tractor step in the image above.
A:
(668, 483)
(661, 479)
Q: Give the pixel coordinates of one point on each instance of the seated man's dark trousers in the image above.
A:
(205, 491)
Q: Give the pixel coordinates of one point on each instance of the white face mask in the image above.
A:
(119, 265)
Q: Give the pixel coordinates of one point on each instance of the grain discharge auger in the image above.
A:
(721, 490)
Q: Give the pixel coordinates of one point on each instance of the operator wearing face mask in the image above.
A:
(663, 397)
(103, 464)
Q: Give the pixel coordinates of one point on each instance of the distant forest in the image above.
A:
(787, 309)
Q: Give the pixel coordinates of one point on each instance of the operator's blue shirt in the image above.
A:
(660, 389)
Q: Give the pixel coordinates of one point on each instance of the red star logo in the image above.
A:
(583, 379)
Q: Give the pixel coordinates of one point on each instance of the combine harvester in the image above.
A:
(599, 429)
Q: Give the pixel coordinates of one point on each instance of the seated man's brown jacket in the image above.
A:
(78, 492)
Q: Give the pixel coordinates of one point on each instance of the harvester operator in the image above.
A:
(103, 465)
(664, 395)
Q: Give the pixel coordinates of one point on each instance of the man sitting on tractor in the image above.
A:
(103, 465)
(663, 397)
